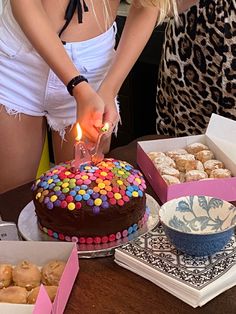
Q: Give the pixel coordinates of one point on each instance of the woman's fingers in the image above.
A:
(90, 125)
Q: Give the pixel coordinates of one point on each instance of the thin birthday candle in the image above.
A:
(82, 155)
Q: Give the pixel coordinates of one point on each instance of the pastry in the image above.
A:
(194, 165)
(26, 274)
(165, 160)
(170, 179)
(204, 155)
(52, 271)
(173, 153)
(212, 164)
(5, 275)
(220, 173)
(13, 294)
(195, 175)
(181, 160)
(195, 148)
(153, 155)
(51, 291)
(164, 169)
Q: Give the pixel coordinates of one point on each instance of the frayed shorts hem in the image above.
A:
(13, 110)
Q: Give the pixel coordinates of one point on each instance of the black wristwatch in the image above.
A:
(75, 81)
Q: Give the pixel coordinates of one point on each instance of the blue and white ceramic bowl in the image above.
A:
(198, 225)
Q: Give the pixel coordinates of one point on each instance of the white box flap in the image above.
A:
(222, 131)
(222, 128)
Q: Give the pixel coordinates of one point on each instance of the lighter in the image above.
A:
(98, 155)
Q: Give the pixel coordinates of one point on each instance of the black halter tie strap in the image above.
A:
(70, 11)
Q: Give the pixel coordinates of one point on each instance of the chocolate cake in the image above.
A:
(95, 204)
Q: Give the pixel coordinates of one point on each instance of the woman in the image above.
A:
(198, 69)
(51, 50)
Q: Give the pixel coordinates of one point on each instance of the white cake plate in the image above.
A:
(29, 230)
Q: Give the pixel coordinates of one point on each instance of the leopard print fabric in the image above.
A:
(198, 69)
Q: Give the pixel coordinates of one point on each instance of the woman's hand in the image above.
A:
(111, 113)
(90, 110)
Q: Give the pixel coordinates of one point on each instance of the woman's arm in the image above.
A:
(38, 28)
(138, 28)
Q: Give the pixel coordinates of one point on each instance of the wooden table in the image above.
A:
(103, 287)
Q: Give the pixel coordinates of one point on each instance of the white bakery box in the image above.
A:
(41, 253)
(220, 136)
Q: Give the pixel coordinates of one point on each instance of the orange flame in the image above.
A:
(79, 132)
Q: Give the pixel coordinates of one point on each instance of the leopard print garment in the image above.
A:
(198, 69)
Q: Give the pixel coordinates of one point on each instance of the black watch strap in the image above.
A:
(75, 81)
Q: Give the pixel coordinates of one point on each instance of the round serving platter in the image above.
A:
(29, 230)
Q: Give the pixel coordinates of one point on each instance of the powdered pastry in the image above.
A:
(195, 175)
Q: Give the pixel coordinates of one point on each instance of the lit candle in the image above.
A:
(98, 152)
(82, 155)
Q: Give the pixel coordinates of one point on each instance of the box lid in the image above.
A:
(222, 131)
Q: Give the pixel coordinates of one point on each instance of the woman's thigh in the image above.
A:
(21, 142)
(63, 149)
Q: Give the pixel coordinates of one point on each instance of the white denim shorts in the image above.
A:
(28, 86)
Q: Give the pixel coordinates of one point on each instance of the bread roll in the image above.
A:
(26, 274)
(167, 161)
(181, 161)
(170, 179)
(204, 155)
(195, 148)
(173, 153)
(5, 275)
(13, 294)
(195, 175)
(220, 173)
(51, 291)
(163, 169)
(194, 165)
(52, 271)
(212, 164)
(153, 155)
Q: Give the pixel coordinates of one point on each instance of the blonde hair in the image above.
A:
(106, 14)
(166, 8)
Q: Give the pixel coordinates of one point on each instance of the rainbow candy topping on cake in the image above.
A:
(95, 204)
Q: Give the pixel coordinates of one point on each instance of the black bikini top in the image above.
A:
(70, 10)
